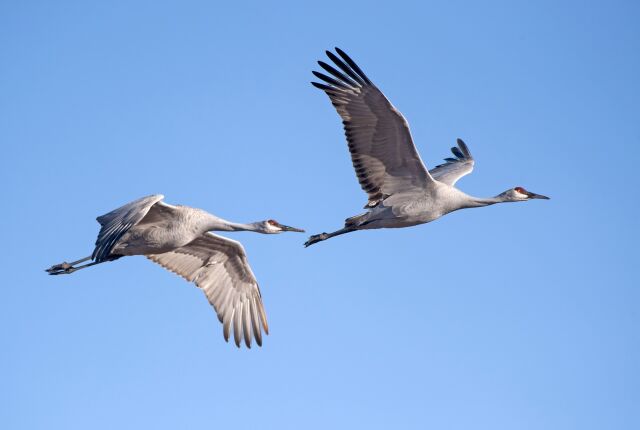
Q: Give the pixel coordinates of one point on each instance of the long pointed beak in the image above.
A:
(287, 228)
(537, 196)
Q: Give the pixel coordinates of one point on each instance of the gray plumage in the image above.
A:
(454, 168)
(179, 239)
(401, 191)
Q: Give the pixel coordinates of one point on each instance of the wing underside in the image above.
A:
(382, 151)
(219, 267)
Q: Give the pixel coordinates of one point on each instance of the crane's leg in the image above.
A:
(65, 268)
(324, 236)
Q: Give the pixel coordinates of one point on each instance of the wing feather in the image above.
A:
(237, 326)
(246, 322)
(219, 267)
(454, 168)
(117, 222)
(382, 151)
(255, 322)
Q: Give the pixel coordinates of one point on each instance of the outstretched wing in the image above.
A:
(117, 222)
(219, 267)
(454, 168)
(382, 151)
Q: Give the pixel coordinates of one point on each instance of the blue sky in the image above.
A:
(520, 316)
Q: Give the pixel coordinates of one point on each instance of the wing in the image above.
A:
(219, 267)
(454, 168)
(382, 151)
(117, 222)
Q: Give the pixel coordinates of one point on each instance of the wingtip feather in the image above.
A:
(464, 148)
(323, 87)
(353, 65)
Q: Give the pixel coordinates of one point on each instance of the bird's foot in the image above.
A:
(316, 238)
(61, 269)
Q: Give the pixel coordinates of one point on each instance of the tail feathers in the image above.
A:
(355, 220)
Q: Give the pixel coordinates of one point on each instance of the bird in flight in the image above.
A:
(401, 191)
(179, 239)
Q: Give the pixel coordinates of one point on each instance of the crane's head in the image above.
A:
(272, 226)
(519, 194)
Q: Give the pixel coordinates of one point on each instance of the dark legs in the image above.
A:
(324, 236)
(67, 268)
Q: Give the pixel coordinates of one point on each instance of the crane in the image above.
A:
(401, 191)
(179, 239)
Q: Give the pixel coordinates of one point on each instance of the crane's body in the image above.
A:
(166, 235)
(401, 191)
(179, 239)
(409, 209)
(154, 235)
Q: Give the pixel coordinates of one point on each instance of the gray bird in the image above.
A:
(402, 192)
(179, 239)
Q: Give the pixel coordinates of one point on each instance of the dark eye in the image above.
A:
(273, 222)
(521, 190)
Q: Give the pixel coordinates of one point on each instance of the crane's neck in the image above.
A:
(478, 202)
(219, 224)
(253, 226)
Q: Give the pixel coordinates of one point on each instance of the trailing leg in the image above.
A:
(65, 268)
(324, 236)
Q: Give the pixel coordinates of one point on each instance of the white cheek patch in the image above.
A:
(521, 195)
(272, 227)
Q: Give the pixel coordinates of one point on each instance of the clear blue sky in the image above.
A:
(519, 316)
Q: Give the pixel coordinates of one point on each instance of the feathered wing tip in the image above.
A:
(353, 65)
(349, 76)
(461, 152)
(453, 169)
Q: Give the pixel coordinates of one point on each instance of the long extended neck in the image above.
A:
(478, 202)
(219, 224)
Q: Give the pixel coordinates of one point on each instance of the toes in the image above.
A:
(61, 266)
(315, 239)
(61, 269)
